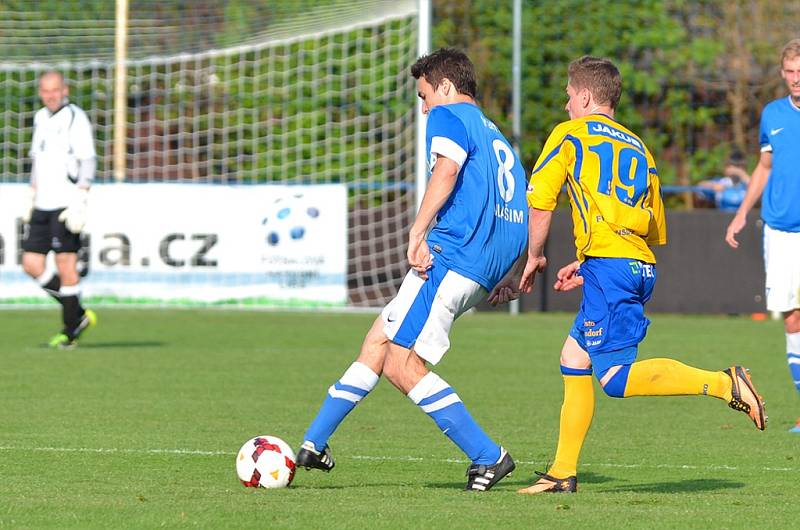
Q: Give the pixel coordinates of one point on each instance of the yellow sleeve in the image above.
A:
(657, 231)
(550, 170)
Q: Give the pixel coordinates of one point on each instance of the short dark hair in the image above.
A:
(737, 158)
(599, 76)
(447, 63)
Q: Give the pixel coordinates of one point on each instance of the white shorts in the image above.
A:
(782, 263)
(421, 314)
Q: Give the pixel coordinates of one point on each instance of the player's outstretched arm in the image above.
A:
(568, 277)
(538, 228)
(754, 190)
(507, 289)
(440, 186)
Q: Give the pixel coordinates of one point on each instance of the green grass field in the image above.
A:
(138, 428)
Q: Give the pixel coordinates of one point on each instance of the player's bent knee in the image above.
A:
(615, 386)
(33, 265)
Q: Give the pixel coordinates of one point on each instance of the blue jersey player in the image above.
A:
(476, 194)
(777, 177)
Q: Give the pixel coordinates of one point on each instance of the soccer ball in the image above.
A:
(265, 462)
(288, 218)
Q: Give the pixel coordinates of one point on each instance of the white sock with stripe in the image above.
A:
(793, 357)
(354, 385)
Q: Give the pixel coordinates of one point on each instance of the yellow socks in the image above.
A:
(652, 377)
(576, 417)
(667, 377)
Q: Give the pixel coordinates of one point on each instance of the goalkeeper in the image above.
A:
(63, 168)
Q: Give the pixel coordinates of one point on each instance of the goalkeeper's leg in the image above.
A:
(73, 313)
(33, 263)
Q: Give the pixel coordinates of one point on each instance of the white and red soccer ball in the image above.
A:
(265, 462)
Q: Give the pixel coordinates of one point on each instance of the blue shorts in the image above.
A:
(611, 322)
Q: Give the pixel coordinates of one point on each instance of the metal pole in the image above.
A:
(120, 90)
(516, 73)
(423, 47)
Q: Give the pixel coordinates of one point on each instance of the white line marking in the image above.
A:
(193, 452)
(187, 452)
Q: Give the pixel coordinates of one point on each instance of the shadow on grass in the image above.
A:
(678, 486)
(122, 344)
(521, 480)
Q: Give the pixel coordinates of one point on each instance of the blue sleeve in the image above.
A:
(763, 134)
(442, 123)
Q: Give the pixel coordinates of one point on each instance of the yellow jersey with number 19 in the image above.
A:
(613, 188)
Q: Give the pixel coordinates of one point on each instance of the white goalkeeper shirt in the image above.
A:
(61, 140)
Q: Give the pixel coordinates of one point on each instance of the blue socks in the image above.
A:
(342, 397)
(793, 357)
(438, 400)
(432, 394)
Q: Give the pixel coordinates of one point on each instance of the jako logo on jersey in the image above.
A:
(596, 127)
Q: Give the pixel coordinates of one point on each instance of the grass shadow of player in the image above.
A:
(521, 480)
(678, 486)
(122, 344)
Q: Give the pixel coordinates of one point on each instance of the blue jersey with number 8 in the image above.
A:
(613, 188)
(482, 228)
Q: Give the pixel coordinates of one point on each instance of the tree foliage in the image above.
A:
(695, 73)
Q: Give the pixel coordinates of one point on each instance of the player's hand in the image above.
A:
(534, 265)
(419, 255)
(734, 228)
(568, 277)
(504, 292)
(74, 215)
(28, 205)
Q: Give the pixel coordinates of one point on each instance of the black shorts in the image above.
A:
(45, 233)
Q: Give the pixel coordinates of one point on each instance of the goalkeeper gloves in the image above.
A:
(28, 205)
(74, 216)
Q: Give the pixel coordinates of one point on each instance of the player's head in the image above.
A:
(444, 76)
(790, 67)
(594, 85)
(53, 90)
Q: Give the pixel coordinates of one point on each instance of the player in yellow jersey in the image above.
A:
(614, 192)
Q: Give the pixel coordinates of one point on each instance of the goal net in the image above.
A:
(239, 93)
